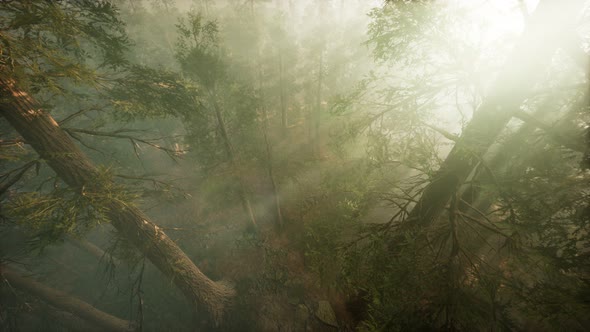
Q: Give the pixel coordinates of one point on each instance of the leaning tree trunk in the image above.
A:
(63, 301)
(471, 197)
(43, 133)
(523, 69)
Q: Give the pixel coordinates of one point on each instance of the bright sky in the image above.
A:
(483, 24)
(498, 17)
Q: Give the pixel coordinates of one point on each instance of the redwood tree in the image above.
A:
(71, 31)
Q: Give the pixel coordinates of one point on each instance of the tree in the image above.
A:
(200, 57)
(513, 85)
(40, 130)
(63, 301)
(461, 266)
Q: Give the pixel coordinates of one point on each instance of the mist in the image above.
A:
(281, 165)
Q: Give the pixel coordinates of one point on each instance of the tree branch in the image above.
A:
(66, 302)
(563, 140)
(172, 153)
(21, 171)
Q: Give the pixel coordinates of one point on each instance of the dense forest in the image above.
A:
(294, 165)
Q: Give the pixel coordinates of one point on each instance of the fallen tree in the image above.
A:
(66, 159)
(102, 320)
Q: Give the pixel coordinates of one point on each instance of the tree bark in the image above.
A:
(63, 301)
(523, 69)
(43, 133)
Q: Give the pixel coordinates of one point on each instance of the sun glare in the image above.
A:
(493, 19)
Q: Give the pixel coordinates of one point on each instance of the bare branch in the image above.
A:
(172, 153)
(563, 140)
(443, 132)
(74, 115)
(21, 171)
(489, 228)
(81, 141)
(66, 302)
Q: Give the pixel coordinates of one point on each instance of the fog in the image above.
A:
(282, 165)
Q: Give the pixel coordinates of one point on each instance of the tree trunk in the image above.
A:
(71, 322)
(318, 111)
(63, 301)
(523, 69)
(93, 250)
(43, 133)
(270, 170)
(275, 189)
(234, 162)
(282, 94)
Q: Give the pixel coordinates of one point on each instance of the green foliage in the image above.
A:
(202, 58)
(198, 50)
(526, 241)
(516, 252)
(273, 275)
(44, 42)
(147, 92)
(516, 263)
(398, 29)
(332, 217)
(63, 211)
